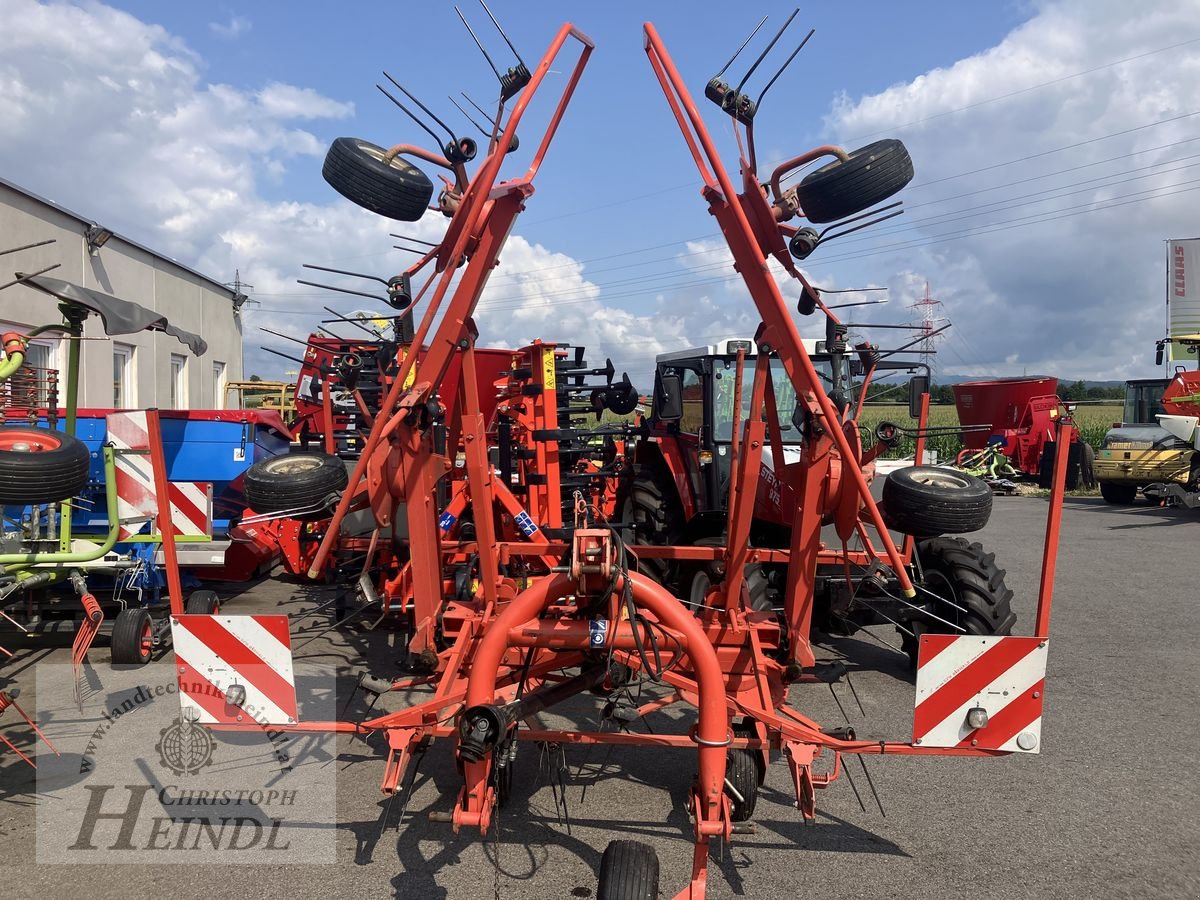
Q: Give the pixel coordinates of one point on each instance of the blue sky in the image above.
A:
(1054, 143)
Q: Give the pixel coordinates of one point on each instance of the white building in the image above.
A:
(136, 371)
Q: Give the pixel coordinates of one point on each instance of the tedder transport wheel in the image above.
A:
(628, 871)
(132, 637)
(977, 599)
(356, 170)
(41, 466)
(202, 603)
(1118, 494)
(295, 481)
(869, 176)
(653, 514)
(927, 501)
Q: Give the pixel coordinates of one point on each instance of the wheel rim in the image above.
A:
(376, 154)
(146, 644)
(284, 465)
(28, 441)
(939, 479)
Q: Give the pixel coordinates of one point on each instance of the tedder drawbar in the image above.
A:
(543, 613)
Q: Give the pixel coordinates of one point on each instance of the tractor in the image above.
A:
(1138, 451)
(678, 490)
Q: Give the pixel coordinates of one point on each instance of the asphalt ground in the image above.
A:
(1108, 810)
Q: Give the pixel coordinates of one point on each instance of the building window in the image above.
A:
(219, 384)
(179, 392)
(124, 396)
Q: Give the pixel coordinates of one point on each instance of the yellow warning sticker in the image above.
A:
(548, 368)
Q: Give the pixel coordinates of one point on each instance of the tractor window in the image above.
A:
(724, 376)
(1143, 402)
(693, 400)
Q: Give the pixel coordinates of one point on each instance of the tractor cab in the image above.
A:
(694, 403)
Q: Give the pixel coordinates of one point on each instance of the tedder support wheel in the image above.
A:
(41, 466)
(927, 501)
(1118, 494)
(356, 170)
(628, 871)
(697, 579)
(869, 176)
(741, 775)
(202, 603)
(132, 637)
(295, 481)
(974, 595)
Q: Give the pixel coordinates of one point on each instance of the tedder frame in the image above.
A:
(496, 654)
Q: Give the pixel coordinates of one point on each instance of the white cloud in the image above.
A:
(233, 29)
(1057, 283)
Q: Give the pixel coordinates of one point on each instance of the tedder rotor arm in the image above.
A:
(479, 226)
(779, 332)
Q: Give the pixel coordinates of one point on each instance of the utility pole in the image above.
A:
(927, 309)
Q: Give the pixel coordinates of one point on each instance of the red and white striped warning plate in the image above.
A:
(235, 669)
(129, 434)
(1004, 676)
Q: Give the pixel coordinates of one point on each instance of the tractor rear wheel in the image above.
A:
(628, 871)
(926, 501)
(869, 176)
(38, 465)
(356, 170)
(653, 515)
(1118, 494)
(970, 589)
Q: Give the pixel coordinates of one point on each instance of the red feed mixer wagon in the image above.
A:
(1018, 415)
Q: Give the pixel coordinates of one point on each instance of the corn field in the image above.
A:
(1092, 420)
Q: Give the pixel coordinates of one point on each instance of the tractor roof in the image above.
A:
(729, 347)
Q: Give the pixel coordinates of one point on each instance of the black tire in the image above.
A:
(38, 465)
(928, 500)
(695, 580)
(628, 871)
(1118, 494)
(132, 639)
(1087, 466)
(356, 170)
(202, 603)
(967, 576)
(295, 481)
(653, 514)
(741, 771)
(869, 176)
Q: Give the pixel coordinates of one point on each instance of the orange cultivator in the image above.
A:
(503, 592)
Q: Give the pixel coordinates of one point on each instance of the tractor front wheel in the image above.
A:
(964, 589)
(1118, 494)
(652, 514)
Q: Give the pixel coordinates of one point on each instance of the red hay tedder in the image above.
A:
(520, 562)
